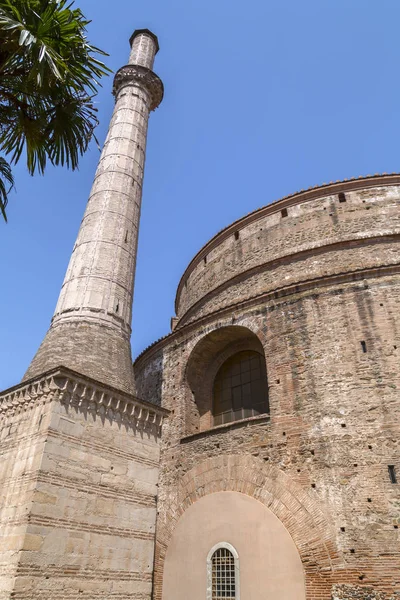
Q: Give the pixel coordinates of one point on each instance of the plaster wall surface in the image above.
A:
(269, 563)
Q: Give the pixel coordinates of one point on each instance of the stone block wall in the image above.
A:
(85, 497)
(355, 592)
(22, 440)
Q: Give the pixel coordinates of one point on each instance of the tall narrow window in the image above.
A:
(392, 473)
(223, 573)
(240, 388)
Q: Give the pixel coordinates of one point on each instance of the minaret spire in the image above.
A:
(91, 327)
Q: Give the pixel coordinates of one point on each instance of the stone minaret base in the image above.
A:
(107, 353)
(78, 480)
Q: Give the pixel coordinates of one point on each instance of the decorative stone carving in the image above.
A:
(143, 76)
(84, 394)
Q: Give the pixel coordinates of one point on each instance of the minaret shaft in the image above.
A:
(99, 280)
(91, 325)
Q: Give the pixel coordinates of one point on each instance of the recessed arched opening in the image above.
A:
(240, 388)
(226, 379)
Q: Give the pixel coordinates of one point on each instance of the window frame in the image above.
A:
(235, 555)
(215, 416)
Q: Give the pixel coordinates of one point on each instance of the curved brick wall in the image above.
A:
(309, 287)
(319, 237)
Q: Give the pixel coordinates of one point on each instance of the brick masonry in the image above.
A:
(306, 288)
(311, 283)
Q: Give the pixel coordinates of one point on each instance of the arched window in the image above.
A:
(223, 573)
(240, 388)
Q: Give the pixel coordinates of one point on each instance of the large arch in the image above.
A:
(204, 362)
(297, 509)
(270, 565)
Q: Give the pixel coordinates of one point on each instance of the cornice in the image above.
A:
(313, 250)
(82, 393)
(144, 77)
(146, 32)
(313, 193)
(312, 286)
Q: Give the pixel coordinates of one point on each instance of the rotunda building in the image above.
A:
(281, 453)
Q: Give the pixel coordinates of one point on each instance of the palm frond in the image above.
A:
(49, 73)
(6, 184)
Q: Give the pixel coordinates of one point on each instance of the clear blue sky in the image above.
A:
(262, 99)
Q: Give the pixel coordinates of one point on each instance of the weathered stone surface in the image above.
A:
(312, 284)
(91, 326)
(78, 483)
(354, 592)
(308, 289)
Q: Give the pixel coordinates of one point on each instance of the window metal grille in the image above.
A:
(240, 388)
(223, 575)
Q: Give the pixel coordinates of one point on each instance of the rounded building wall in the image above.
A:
(330, 335)
(290, 243)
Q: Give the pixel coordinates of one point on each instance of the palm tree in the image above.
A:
(49, 74)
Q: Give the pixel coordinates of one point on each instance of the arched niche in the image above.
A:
(207, 357)
(270, 565)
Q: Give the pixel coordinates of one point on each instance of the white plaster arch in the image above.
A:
(270, 564)
(235, 555)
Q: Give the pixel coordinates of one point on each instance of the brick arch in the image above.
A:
(296, 508)
(204, 361)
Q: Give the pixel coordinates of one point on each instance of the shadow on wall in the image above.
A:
(219, 354)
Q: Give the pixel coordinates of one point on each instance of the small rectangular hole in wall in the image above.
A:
(392, 473)
(342, 197)
(343, 529)
(284, 212)
(363, 346)
(205, 260)
(236, 234)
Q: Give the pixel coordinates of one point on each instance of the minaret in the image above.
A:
(91, 327)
